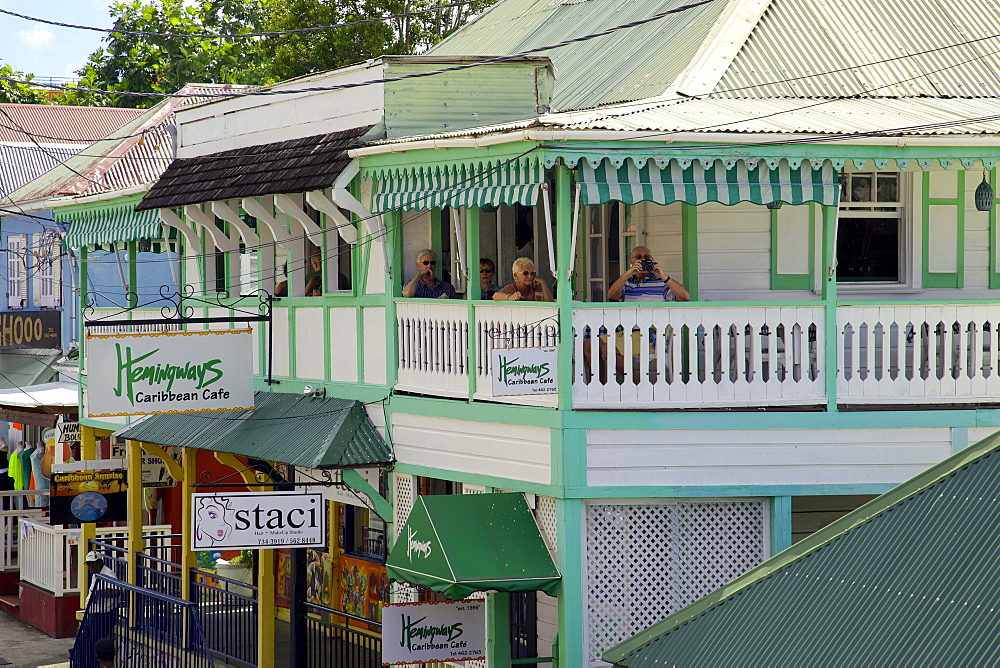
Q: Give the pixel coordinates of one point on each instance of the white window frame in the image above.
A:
(904, 216)
(597, 221)
(46, 274)
(17, 271)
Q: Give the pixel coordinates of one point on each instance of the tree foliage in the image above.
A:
(19, 93)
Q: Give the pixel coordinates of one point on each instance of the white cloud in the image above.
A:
(35, 38)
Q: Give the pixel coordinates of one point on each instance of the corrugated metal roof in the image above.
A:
(743, 49)
(71, 125)
(909, 579)
(628, 64)
(27, 366)
(21, 163)
(120, 160)
(921, 116)
(287, 428)
(291, 166)
(797, 39)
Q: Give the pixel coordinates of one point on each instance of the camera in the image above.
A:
(648, 265)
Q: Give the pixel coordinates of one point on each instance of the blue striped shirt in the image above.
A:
(650, 289)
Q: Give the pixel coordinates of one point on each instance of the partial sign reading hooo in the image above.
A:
(248, 520)
(169, 372)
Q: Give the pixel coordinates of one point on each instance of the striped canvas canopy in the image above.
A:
(698, 182)
(471, 185)
(105, 226)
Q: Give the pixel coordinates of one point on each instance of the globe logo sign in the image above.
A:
(89, 506)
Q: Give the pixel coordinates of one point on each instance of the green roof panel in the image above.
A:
(906, 580)
(314, 432)
(463, 543)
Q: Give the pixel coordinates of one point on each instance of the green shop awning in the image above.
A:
(478, 185)
(108, 225)
(696, 182)
(291, 429)
(463, 543)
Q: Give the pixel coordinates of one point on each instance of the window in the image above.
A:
(362, 533)
(17, 275)
(46, 275)
(870, 232)
(611, 236)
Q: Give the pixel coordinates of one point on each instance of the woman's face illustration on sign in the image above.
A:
(214, 520)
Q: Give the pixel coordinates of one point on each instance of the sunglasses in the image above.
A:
(529, 273)
(431, 263)
(485, 271)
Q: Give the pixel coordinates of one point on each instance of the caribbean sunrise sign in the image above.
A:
(169, 372)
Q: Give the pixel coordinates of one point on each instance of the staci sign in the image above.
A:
(433, 631)
(169, 372)
(251, 520)
(518, 371)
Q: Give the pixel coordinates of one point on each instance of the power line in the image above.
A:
(402, 77)
(273, 33)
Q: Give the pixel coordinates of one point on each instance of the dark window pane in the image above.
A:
(868, 249)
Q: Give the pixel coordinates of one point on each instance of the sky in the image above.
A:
(46, 50)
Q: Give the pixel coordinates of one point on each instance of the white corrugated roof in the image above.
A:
(893, 116)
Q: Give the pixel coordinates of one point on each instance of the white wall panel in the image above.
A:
(310, 348)
(374, 355)
(793, 240)
(943, 185)
(694, 457)
(942, 232)
(280, 340)
(662, 228)
(977, 434)
(734, 251)
(516, 452)
(343, 345)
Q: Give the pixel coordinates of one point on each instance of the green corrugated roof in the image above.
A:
(286, 428)
(908, 579)
(630, 64)
(24, 367)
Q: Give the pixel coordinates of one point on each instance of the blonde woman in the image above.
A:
(527, 287)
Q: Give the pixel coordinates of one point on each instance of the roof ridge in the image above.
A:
(722, 43)
(807, 546)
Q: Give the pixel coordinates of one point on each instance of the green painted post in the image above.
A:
(472, 290)
(564, 285)
(829, 293)
(689, 243)
(131, 255)
(498, 629)
(781, 523)
(569, 516)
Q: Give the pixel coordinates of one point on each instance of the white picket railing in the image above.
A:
(512, 326)
(50, 556)
(14, 506)
(673, 357)
(433, 348)
(922, 352)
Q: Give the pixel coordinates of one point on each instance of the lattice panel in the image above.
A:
(403, 497)
(545, 514)
(645, 561)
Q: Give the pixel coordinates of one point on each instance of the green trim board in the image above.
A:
(689, 249)
(955, 279)
(994, 273)
(928, 593)
(788, 281)
(460, 544)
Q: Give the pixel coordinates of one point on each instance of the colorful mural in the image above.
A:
(364, 588)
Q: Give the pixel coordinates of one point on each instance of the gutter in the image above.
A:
(658, 136)
(55, 203)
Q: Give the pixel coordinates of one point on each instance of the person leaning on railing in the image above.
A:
(425, 284)
(527, 287)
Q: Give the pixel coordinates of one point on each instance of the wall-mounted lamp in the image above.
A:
(310, 391)
(984, 195)
(774, 205)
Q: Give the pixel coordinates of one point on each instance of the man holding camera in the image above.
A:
(645, 281)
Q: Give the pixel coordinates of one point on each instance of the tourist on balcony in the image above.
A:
(487, 276)
(425, 284)
(527, 287)
(645, 281)
(314, 277)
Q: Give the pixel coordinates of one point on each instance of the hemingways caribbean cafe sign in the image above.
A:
(519, 371)
(433, 631)
(169, 372)
(252, 520)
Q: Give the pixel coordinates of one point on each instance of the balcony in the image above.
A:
(722, 355)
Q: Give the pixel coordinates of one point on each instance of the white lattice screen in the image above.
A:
(545, 515)
(645, 561)
(403, 497)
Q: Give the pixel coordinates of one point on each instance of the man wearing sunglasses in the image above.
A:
(425, 284)
(645, 281)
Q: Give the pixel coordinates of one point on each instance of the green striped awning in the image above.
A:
(514, 183)
(108, 225)
(698, 182)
